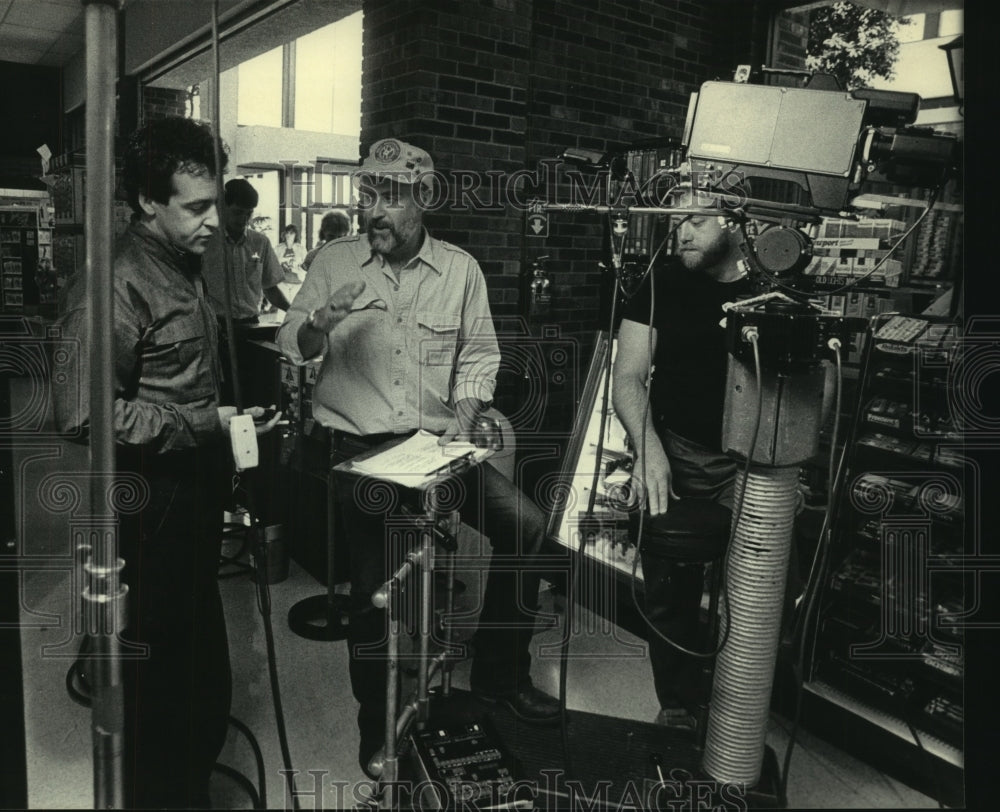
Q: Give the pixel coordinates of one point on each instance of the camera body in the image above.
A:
(803, 153)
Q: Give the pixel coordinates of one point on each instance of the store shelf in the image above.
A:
(887, 722)
(903, 708)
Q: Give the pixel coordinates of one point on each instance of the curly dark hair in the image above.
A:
(333, 225)
(162, 147)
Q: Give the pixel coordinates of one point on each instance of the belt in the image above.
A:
(341, 438)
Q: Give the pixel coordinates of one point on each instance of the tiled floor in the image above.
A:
(607, 675)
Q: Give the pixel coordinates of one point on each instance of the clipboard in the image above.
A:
(416, 461)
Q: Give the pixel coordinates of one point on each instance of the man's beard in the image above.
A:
(383, 242)
(388, 240)
(702, 259)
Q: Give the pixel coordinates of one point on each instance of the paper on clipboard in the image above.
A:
(419, 460)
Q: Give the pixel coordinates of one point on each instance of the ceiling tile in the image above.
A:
(21, 53)
(68, 41)
(41, 15)
(14, 36)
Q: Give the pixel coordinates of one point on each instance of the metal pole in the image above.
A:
(390, 765)
(221, 206)
(446, 630)
(103, 595)
(426, 610)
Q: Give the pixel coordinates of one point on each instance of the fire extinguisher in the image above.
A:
(539, 290)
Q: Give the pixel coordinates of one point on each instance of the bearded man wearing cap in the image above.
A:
(403, 323)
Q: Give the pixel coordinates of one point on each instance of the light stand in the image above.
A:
(104, 595)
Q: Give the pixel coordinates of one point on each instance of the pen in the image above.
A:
(451, 465)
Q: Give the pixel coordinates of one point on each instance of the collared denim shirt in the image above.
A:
(409, 350)
(166, 361)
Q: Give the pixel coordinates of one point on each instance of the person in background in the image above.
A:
(170, 433)
(334, 225)
(254, 268)
(254, 271)
(403, 323)
(290, 254)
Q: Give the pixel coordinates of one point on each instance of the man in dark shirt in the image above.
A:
(171, 431)
(678, 439)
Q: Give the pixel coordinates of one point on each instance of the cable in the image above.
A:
(835, 345)
(258, 795)
(75, 674)
(752, 337)
(595, 481)
(258, 758)
(930, 204)
(242, 781)
(260, 557)
(580, 555)
(264, 607)
(926, 757)
(814, 585)
(832, 468)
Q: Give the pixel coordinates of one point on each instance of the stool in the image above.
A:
(692, 531)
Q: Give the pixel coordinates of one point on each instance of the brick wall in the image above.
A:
(160, 102)
(499, 85)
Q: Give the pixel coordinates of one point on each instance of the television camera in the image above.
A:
(774, 161)
(780, 159)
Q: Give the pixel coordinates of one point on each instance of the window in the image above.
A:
(325, 85)
(328, 78)
(259, 100)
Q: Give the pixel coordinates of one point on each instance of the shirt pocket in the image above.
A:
(437, 339)
(176, 364)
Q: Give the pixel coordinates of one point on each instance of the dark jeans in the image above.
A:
(367, 512)
(672, 589)
(177, 699)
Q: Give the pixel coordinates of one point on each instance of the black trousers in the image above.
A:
(177, 698)
(368, 510)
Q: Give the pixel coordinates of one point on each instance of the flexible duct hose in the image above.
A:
(744, 674)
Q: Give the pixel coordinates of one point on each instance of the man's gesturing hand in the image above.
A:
(337, 307)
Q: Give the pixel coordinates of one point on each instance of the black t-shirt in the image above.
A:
(690, 360)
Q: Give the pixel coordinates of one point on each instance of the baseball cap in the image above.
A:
(394, 159)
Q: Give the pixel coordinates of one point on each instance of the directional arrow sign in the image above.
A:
(538, 225)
